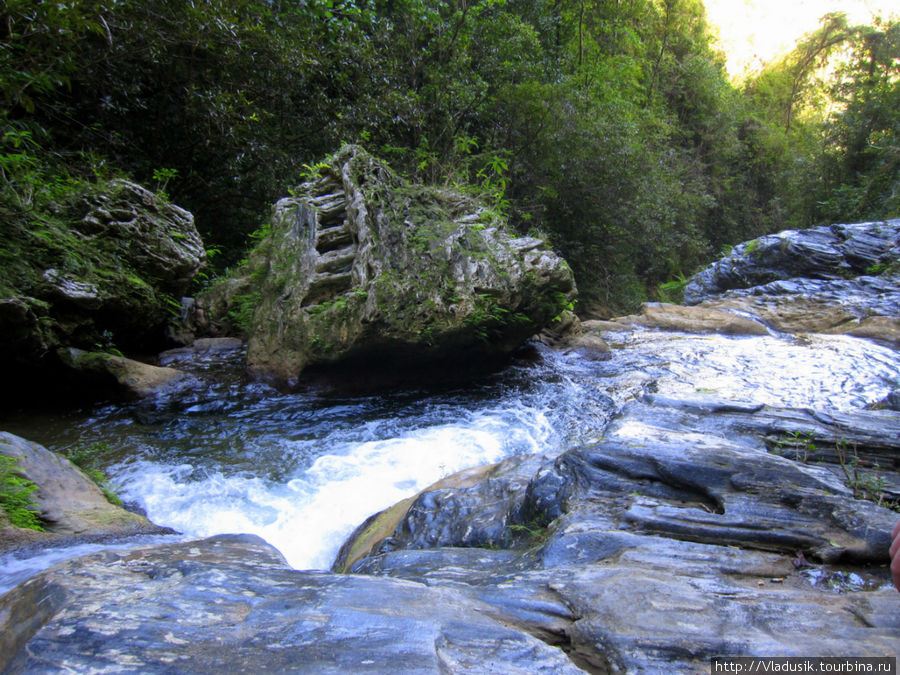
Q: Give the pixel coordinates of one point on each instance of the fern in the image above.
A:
(15, 496)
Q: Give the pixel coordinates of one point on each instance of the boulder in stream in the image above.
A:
(104, 271)
(362, 266)
(70, 504)
(133, 379)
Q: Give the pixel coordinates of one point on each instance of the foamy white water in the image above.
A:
(303, 471)
(310, 514)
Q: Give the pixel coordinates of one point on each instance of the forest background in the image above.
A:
(608, 126)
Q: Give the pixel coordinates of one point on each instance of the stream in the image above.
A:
(302, 470)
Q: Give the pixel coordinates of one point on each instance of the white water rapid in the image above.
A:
(303, 470)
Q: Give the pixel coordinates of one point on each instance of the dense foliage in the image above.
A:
(610, 125)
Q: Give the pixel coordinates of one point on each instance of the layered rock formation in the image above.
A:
(361, 266)
(104, 273)
(833, 279)
(684, 534)
(231, 604)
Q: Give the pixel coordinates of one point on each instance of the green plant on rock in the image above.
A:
(865, 481)
(672, 291)
(801, 444)
(242, 309)
(106, 343)
(15, 495)
(162, 178)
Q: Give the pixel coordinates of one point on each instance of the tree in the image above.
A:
(861, 161)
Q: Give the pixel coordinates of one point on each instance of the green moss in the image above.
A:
(15, 496)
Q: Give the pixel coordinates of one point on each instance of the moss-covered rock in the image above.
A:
(67, 501)
(361, 265)
(132, 379)
(103, 268)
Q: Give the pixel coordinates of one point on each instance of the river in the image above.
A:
(302, 470)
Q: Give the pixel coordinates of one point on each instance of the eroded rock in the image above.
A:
(840, 279)
(696, 527)
(692, 320)
(833, 252)
(103, 274)
(364, 267)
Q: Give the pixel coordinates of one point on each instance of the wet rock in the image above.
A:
(675, 538)
(363, 267)
(69, 503)
(203, 350)
(573, 336)
(840, 279)
(864, 307)
(231, 603)
(131, 378)
(832, 252)
(443, 514)
(692, 320)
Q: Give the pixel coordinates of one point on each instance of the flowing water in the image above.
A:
(302, 470)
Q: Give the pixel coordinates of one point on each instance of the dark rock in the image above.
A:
(231, 604)
(864, 307)
(829, 252)
(103, 277)
(203, 351)
(811, 281)
(675, 538)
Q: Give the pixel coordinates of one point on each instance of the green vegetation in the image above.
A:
(800, 444)
(610, 125)
(865, 479)
(15, 496)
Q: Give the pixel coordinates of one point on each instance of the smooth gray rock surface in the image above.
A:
(231, 604)
(685, 533)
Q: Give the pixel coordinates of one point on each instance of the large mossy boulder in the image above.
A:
(103, 268)
(363, 266)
